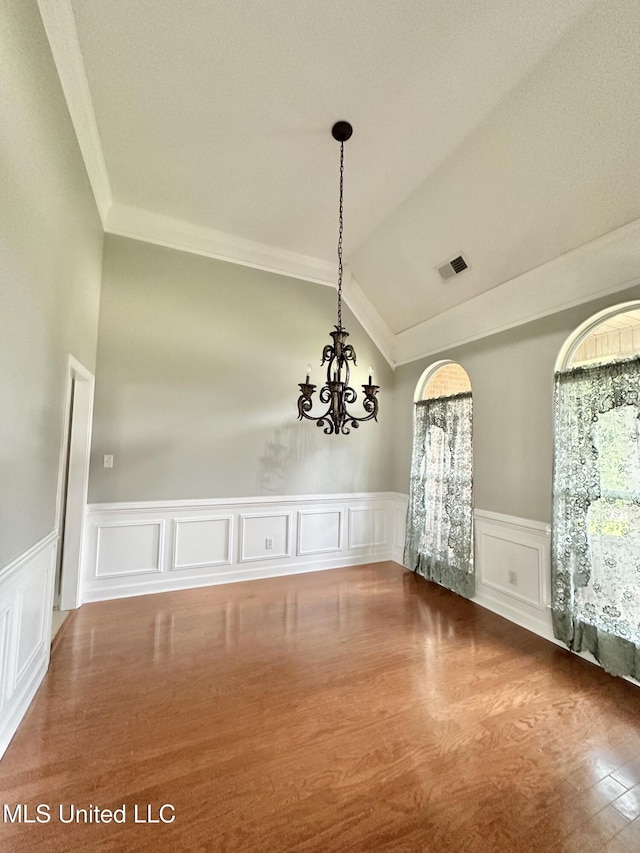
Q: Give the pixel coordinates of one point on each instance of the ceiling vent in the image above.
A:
(454, 267)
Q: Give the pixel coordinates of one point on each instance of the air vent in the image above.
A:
(454, 267)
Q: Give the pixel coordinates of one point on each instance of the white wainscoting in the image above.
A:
(319, 531)
(265, 536)
(26, 608)
(513, 570)
(139, 548)
(200, 543)
(512, 562)
(129, 548)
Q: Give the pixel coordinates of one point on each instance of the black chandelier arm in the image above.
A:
(305, 403)
(370, 406)
(325, 420)
(370, 401)
(349, 354)
(337, 419)
(350, 395)
(328, 424)
(354, 423)
(325, 394)
(327, 354)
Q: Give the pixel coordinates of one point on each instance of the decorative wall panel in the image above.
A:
(319, 531)
(26, 608)
(512, 569)
(202, 542)
(265, 536)
(367, 527)
(129, 548)
(138, 548)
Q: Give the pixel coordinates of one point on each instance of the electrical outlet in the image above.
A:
(268, 543)
(107, 460)
(513, 578)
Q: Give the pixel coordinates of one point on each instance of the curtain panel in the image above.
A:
(439, 540)
(595, 547)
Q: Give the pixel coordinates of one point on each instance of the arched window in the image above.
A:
(443, 379)
(439, 543)
(596, 490)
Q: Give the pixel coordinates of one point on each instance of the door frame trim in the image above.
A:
(79, 422)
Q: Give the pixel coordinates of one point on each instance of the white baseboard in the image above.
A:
(26, 608)
(148, 547)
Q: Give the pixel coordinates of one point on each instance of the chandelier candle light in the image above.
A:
(337, 392)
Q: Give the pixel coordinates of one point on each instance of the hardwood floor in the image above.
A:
(360, 709)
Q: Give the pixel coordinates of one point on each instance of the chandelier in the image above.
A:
(336, 393)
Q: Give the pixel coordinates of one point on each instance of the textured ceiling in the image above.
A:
(507, 130)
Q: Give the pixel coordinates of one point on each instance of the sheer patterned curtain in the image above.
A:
(595, 551)
(439, 543)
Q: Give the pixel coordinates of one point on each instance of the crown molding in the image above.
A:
(60, 27)
(602, 267)
(125, 221)
(371, 321)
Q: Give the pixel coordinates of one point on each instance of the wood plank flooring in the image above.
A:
(359, 709)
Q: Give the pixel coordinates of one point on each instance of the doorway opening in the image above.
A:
(73, 478)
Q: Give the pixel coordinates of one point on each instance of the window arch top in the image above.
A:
(443, 379)
(609, 335)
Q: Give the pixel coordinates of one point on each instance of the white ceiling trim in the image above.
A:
(369, 318)
(149, 227)
(163, 230)
(604, 266)
(60, 27)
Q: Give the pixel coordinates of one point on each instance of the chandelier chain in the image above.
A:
(337, 394)
(340, 230)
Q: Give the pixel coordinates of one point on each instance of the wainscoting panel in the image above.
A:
(319, 531)
(32, 601)
(265, 536)
(26, 608)
(367, 527)
(4, 657)
(139, 548)
(512, 568)
(202, 542)
(129, 548)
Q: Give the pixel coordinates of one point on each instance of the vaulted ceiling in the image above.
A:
(508, 131)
